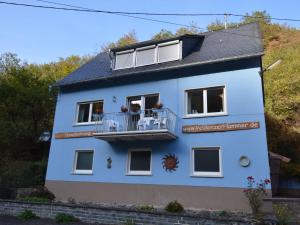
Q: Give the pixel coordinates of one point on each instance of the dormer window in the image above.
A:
(124, 59)
(147, 55)
(169, 51)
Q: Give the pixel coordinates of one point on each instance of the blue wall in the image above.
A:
(244, 103)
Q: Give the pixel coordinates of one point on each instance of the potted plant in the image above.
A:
(99, 110)
(124, 109)
(158, 105)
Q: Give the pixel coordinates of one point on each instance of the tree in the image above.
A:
(127, 39)
(162, 34)
(192, 29)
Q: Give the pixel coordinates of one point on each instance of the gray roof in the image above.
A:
(218, 46)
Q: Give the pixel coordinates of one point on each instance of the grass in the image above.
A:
(27, 215)
(65, 218)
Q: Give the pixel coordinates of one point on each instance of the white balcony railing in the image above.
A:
(135, 123)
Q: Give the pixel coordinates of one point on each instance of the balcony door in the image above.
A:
(140, 107)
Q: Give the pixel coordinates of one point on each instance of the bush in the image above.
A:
(22, 174)
(148, 208)
(42, 192)
(174, 207)
(255, 194)
(35, 199)
(27, 215)
(65, 218)
(282, 213)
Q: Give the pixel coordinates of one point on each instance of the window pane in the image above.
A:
(145, 57)
(140, 161)
(83, 113)
(124, 60)
(195, 102)
(84, 161)
(215, 100)
(168, 53)
(206, 160)
(97, 111)
(150, 102)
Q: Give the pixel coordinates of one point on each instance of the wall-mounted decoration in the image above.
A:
(219, 127)
(170, 162)
(109, 161)
(244, 161)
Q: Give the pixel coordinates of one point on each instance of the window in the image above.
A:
(83, 162)
(207, 162)
(145, 56)
(139, 162)
(124, 59)
(206, 102)
(163, 52)
(89, 112)
(168, 51)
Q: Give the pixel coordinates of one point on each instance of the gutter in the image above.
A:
(163, 69)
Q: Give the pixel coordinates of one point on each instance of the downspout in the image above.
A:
(261, 74)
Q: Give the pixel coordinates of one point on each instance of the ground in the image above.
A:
(11, 220)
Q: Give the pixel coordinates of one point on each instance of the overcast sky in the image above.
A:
(44, 35)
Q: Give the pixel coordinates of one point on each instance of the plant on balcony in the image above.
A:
(99, 110)
(158, 105)
(135, 108)
(255, 193)
(124, 109)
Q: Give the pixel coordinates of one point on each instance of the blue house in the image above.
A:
(177, 119)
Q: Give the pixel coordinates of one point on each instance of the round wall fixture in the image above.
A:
(244, 161)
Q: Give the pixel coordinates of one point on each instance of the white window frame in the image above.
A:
(205, 113)
(90, 122)
(146, 48)
(125, 52)
(179, 45)
(156, 58)
(141, 172)
(206, 173)
(83, 172)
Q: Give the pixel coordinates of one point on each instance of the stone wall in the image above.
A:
(120, 215)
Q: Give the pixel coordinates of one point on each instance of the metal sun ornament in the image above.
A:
(170, 162)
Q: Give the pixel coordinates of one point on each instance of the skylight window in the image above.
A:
(147, 55)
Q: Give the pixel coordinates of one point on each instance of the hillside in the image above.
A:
(282, 92)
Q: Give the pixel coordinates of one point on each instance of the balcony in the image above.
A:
(154, 124)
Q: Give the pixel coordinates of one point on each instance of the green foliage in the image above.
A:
(18, 174)
(27, 215)
(65, 218)
(148, 208)
(27, 110)
(127, 39)
(163, 34)
(174, 207)
(192, 29)
(35, 199)
(283, 213)
(130, 222)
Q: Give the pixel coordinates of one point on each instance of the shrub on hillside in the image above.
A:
(42, 193)
(27, 215)
(65, 218)
(174, 207)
